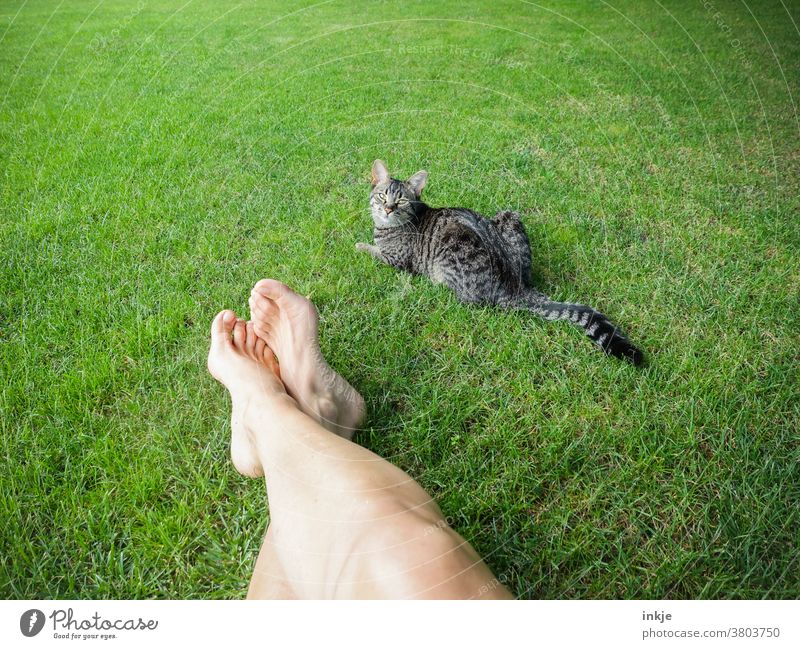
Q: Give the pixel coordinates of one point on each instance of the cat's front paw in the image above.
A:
(363, 247)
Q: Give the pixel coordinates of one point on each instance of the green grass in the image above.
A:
(158, 158)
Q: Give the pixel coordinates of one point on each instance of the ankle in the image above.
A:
(265, 409)
(326, 409)
(272, 425)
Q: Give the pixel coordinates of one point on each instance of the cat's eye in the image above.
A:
(403, 201)
(382, 196)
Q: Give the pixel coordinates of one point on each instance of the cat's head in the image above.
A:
(394, 202)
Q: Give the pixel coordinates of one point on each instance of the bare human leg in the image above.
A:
(344, 522)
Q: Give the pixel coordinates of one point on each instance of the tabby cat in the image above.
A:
(484, 261)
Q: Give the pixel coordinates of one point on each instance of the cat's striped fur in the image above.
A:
(484, 261)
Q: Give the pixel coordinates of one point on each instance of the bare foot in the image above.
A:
(289, 323)
(243, 363)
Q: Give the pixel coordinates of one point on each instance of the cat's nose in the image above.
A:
(389, 209)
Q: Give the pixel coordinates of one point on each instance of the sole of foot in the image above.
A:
(289, 323)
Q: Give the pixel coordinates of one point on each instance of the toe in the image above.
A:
(239, 335)
(269, 359)
(258, 314)
(253, 301)
(264, 354)
(259, 348)
(269, 309)
(250, 341)
(273, 289)
(264, 313)
(263, 306)
(275, 300)
(221, 327)
(262, 330)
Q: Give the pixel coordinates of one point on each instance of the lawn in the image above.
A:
(158, 158)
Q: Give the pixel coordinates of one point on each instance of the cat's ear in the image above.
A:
(417, 182)
(380, 174)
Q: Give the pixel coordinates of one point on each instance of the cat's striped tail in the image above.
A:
(601, 331)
